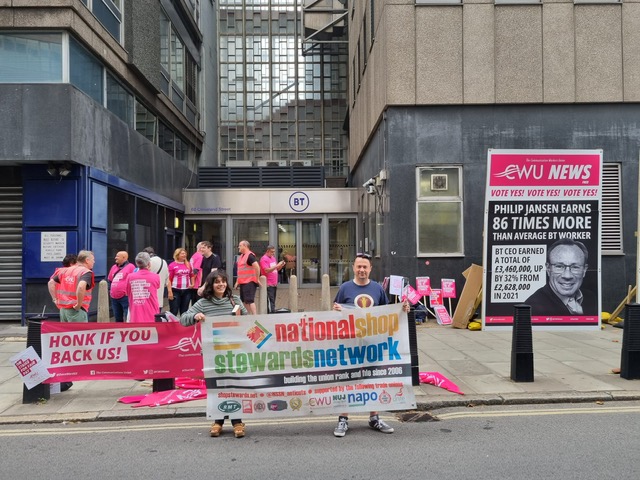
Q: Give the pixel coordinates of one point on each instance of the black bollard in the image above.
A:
(522, 345)
(40, 391)
(413, 348)
(162, 384)
(630, 362)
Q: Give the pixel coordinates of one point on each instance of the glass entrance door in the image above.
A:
(299, 245)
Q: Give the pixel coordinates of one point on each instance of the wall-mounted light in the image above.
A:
(64, 170)
(176, 223)
(59, 170)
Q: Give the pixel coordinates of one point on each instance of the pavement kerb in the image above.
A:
(462, 401)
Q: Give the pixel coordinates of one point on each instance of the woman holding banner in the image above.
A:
(217, 299)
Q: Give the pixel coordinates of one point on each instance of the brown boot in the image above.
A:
(238, 430)
(216, 429)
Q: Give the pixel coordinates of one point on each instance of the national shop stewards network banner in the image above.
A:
(316, 363)
(542, 237)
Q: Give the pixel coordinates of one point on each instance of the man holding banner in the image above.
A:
(362, 292)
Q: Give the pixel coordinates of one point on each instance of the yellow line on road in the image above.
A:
(61, 429)
(594, 409)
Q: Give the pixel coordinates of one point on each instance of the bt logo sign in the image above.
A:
(299, 201)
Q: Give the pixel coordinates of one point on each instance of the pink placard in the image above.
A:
(442, 316)
(435, 298)
(448, 288)
(423, 285)
(413, 295)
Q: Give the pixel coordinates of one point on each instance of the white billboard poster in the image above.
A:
(542, 237)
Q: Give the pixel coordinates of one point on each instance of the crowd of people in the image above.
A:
(137, 289)
(197, 288)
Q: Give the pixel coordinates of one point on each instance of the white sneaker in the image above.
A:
(381, 426)
(343, 426)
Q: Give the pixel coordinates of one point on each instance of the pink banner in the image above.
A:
(91, 351)
(558, 169)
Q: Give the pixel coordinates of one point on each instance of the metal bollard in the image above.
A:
(522, 345)
(413, 348)
(630, 361)
(41, 391)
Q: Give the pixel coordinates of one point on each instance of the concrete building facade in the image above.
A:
(101, 129)
(435, 84)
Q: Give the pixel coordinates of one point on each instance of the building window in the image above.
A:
(109, 14)
(611, 241)
(165, 33)
(177, 61)
(439, 217)
(166, 138)
(85, 71)
(30, 57)
(146, 122)
(119, 100)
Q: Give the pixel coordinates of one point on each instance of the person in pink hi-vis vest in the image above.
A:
(142, 289)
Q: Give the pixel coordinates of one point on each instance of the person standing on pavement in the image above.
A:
(159, 265)
(248, 276)
(67, 261)
(142, 288)
(117, 279)
(181, 279)
(203, 262)
(217, 300)
(76, 283)
(362, 292)
(269, 267)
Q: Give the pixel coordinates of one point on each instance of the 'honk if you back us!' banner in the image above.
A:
(315, 363)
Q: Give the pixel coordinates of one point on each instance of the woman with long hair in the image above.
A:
(217, 299)
(181, 279)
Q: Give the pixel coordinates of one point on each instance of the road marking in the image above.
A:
(595, 409)
(61, 429)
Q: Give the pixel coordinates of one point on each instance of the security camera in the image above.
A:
(368, 184)
(371, 189)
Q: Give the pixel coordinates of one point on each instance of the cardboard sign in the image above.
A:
(472, 287)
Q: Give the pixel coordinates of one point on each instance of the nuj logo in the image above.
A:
(550, 172)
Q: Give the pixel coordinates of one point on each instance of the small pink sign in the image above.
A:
(423, 285)
(448, 288)
(436, 297)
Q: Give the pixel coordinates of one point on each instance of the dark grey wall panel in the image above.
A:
(58, 122)
(462, 135)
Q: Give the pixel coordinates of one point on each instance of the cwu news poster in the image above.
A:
(542, 238)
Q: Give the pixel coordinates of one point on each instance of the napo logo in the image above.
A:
(229, 406)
